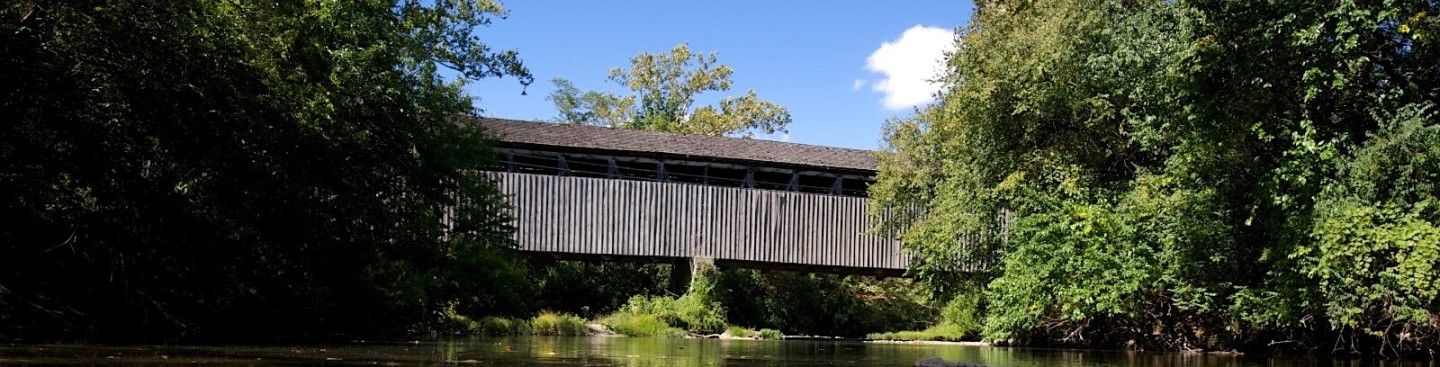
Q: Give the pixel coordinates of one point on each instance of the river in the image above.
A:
(619, 351)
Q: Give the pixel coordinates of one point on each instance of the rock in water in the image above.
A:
(941, 362)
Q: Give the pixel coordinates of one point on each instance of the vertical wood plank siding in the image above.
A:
(596, 216)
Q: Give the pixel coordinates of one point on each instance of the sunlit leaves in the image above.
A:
(1376, 250)
(1266, 164)
(664, 87)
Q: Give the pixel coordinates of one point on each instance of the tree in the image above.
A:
(1151, 173)
(231, 170)
(665, 87)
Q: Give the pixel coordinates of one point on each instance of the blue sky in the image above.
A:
(813, 57)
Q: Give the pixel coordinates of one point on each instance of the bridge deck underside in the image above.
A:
(580, 217)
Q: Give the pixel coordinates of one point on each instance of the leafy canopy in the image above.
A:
(237, 169)
(1192, 174)
(665, 86)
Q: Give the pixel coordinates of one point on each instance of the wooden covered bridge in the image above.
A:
(586, 192)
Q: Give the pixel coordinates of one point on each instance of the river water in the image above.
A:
(618, 351)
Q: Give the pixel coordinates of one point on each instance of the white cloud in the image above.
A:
(857, 84)
(909, 63)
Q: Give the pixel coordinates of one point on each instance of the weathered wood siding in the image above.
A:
(594, 216)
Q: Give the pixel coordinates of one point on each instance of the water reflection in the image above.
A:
(638, 352)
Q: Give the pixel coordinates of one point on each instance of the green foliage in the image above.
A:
(590, 288)
(1180, 174)
(962, 314)
(941, 332)
(551, 323)
(454, 322)
(959, 321)
(822, 304)
(665, 86)
(762, 334)
(681, 313)
(493, 325)
(818, 304)
(1067, 267)
(692, 313)
(769, 334)
(232, 170)
(695, 311)
(1376, 254)
(629, 324)
(740, 331)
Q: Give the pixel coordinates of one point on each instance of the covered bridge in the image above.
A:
(588, 192)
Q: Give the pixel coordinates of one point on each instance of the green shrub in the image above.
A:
(503, 326)
(551, 323)
(771, 334)
(958, 321)
(962, 314)
(823, 304)
(455, 322)
(740, 331)
(691, 311)
(699, 308)
(639, 325)
(942, 332)
(1374, 259)
(648, 305)
(590, 289)
(700, 314)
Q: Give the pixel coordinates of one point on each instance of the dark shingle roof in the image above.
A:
(662, 143)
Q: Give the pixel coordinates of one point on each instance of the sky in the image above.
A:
(841, 67)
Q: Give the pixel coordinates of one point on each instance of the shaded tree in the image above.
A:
(1195, 174)
(230, 170)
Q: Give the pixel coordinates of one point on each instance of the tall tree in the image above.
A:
(665, 87)
(222, 169)
(1163, 174)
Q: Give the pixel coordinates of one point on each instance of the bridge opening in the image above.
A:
(753, 176)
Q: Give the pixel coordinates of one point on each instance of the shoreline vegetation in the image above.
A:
(561, 324)
(630, 325)
(1142, 175)
(714, 301)
(1179, 175)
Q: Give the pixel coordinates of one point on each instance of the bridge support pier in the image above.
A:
(680, 275)
(683, 271)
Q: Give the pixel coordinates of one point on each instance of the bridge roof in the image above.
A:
(686, 145)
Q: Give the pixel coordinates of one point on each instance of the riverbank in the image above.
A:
(617, 324)
(555, 324)
(589, 351)
(713, 308)
(932, 342)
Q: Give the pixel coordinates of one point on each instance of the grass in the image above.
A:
(503, 326)
(546, 323)
(770, 334)
(942, 332)
(740, 331)
(457, 322)
(744, 332)
(695, 311)
(689, 312)
(639, 325)
(958, 322)
(551, 323)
